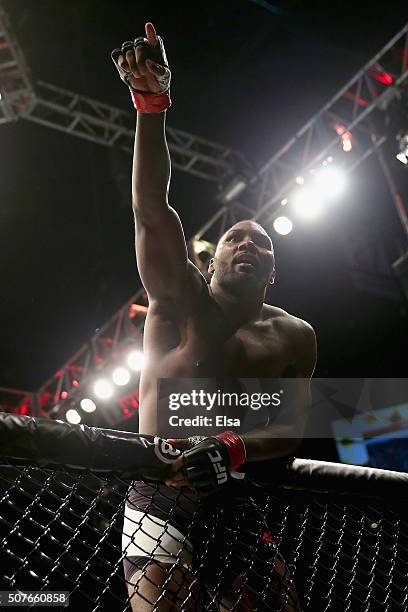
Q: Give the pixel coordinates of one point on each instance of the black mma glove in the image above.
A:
(145, 71)
(207, 464)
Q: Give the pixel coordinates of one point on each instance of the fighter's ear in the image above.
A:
(211, 269)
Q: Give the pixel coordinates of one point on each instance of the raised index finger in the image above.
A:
(151, 34)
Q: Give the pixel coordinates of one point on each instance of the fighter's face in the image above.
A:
(244, 257)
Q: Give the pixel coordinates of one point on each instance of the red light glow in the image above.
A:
(360, 101)
(381, 77)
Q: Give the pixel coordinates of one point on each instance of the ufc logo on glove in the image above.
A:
(220, 469)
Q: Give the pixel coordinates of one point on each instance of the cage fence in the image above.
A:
(298, 535)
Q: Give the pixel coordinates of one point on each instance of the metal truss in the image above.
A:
(95, 121)
(354, 108)
(369, 92)
(17, 401)
(16, 92)
(72, 382)
(106, 125)
(95, 359)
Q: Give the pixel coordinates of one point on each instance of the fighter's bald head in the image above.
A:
(249, 225)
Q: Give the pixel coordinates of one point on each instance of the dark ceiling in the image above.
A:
(243, 75)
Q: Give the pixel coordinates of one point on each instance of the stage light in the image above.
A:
(346, 142)
(282, 226)
(380, 75)
(284, 201)
(203, 252)
(203, 245)
(346, 137)
(299, 180)
(330, 182)
(73, 416)
(121, 376)
(402, 158)
(135, 360)
(307, 203)
(402, 155)
(87, 405)
(103, 389)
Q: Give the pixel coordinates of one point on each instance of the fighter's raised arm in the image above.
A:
(160, 244)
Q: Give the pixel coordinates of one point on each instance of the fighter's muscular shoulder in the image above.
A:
(300, 335)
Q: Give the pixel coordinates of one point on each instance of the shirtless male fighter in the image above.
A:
(195, 330)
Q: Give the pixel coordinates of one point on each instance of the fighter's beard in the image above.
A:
(234, 284)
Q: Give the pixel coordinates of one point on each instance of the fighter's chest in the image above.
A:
(258, 349)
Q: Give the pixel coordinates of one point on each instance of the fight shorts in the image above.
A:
(157, 526)
(222, 539)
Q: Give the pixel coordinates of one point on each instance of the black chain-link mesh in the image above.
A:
(255, 550)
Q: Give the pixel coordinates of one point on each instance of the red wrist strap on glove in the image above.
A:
(235, 447)
(150, 102)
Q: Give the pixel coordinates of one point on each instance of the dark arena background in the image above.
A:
(293, 114)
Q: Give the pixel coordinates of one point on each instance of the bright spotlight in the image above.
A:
(73, 416)
(87, 405)
(121, 376)
(346, 137)
(135, 360)
(103, 389)
(346, 142)
(307, 203)
(330, 182)
(402, 155)
(402, 158)
(282, 226)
